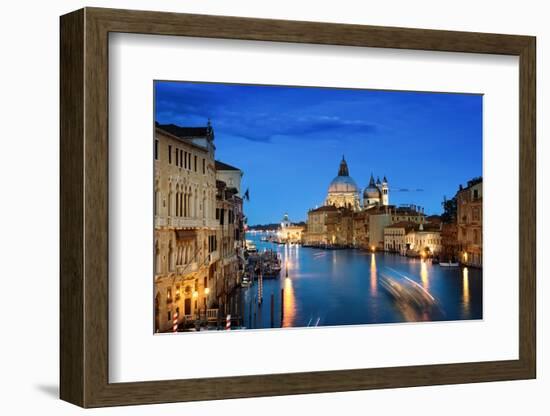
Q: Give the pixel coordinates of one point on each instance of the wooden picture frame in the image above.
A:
(84, 207)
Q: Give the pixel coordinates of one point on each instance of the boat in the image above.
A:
(251, 247)
(449, 264)
(407, 293)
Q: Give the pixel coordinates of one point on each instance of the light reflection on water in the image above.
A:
(424, 274)
(341, 287)
(289, 306)
(373, 275)
(465, 289)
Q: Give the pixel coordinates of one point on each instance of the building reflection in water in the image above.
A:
(373, 276)
(289, 311)
(424, 275)
(465, 289)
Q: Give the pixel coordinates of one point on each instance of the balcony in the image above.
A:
(187, 268)
(178, 222)
(186, 222)
(211, 223)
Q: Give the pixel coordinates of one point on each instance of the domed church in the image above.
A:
(343, 191)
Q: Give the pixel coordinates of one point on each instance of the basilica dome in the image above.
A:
(343, 184)
(343, 191)
(372, 191)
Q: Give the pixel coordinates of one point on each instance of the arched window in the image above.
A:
(170, 207)
(189, 211)
(204, 204)
(181, 201)
(195, 205)
(187, 207)
(170, 257)
(177, 201)
(158, 268)
(213, 199)
(156, 202)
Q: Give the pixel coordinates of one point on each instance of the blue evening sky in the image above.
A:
(289, 141)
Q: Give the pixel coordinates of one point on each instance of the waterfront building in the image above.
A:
(185, 225)
(317, 219)
(450, 247)
(289, 232)
(382, 217)
(395, 237)
(227, 262)
(183, 193)
(230, 175)
(409, 238)
(379, 219)
(424, 239)
(469, 222)
(339, 228)
(343, 191)
(361, 229)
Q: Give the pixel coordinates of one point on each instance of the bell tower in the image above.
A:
(385, 192)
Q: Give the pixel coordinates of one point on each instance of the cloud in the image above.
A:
(257, 113)
(268, 128)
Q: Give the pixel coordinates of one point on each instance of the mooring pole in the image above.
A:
(261, 285)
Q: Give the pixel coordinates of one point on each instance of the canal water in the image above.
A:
(345, 287)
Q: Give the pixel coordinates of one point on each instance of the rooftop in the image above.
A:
(325, 208)
(407, 225)
(224, 166)
(185, 132)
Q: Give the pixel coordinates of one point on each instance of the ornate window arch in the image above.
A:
(158, 265)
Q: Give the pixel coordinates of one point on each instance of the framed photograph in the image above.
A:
(255, 207)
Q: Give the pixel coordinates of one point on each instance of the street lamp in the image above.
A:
(206, 291)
